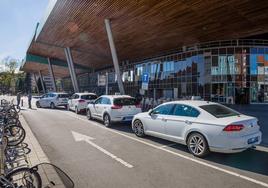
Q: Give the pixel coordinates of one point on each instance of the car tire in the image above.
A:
(68, 107)
(107, 120)
(76, 110)
(197, 145)
(52, 105)
(138, 128)
(89, 117)
(38, 104)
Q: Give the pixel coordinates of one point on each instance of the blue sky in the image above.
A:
(18, 20)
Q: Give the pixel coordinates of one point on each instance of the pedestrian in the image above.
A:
(30, 100)
(138, 98)
(18, 98)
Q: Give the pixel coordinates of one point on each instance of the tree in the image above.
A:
(9, 77)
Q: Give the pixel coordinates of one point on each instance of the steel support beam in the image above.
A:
(52, 75)
(70, 62)
(114, 56)
(36, 83)
(42, 81)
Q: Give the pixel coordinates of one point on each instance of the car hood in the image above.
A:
(141, 114)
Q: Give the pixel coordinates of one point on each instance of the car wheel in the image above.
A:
(197, 145)
(52, 105)
(89, 117)
(38, 105)
(106, 120)
(138, 128)
(76, 110)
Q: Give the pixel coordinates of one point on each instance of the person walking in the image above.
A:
(30, 100)
(18, 98)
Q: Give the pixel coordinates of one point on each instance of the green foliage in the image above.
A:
(10, 81)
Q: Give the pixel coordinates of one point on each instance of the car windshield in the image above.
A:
(63, 96)
(125, 101)
(88, 97)
(219, 111)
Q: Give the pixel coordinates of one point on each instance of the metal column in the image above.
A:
(52, 75)
(36, 84)
(114, 56)
(42, 81)
(71, 68)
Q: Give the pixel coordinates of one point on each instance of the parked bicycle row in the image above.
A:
(15, 168)
(201, 125)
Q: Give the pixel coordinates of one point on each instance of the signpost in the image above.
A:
(145, 81)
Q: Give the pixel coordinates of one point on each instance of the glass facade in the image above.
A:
(233, 74)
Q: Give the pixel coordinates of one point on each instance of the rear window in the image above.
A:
(63, 96)
(88, 97)
(125, 101)
(219, 111)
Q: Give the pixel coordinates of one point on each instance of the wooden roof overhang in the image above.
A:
(34, 63)
(142, 28)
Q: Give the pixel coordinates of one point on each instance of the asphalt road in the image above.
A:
(116, 158)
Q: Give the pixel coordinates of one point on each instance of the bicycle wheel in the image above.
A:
(15, 134)
(25, 177)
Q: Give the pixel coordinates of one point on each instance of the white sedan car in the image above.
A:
(79, 101)
(202, 126)
(53, 100)
(113, 108)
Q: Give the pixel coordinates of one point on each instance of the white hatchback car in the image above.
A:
(113, 108)
(53, 100)
(79, 101)
(202, 126)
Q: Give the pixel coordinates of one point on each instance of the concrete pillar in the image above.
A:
(69, 59)
(35, 80)
(52, 75)
(106, 84)
(114, 56)
(42, 81)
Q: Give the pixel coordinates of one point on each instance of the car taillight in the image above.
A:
(233, 127)
(116, 107)
(81, 100)
(138, 105)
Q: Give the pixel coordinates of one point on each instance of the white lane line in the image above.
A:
(177, 154)
(78, 137)
(169, 145)
(261, 148)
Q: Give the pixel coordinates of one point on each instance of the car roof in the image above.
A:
(57, 93)
(116, 96)
(85, 93)
(196, 103)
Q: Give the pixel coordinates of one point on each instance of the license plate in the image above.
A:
(128, 117)
(253, 140)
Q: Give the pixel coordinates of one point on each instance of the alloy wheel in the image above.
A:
(107, 122)
(89, 115)
(52, 105)
(197, 145)
(138, 128)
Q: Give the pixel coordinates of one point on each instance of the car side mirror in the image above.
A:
(150, 112)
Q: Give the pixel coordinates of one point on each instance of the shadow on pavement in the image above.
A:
(250, 160)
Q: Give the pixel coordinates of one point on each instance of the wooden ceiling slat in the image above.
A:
(143, 28)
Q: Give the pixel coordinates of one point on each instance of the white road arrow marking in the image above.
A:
(81, 137)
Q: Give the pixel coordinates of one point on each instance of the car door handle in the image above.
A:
(164, 119)
(188, 122)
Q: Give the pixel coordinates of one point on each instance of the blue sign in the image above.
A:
(145, 78)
